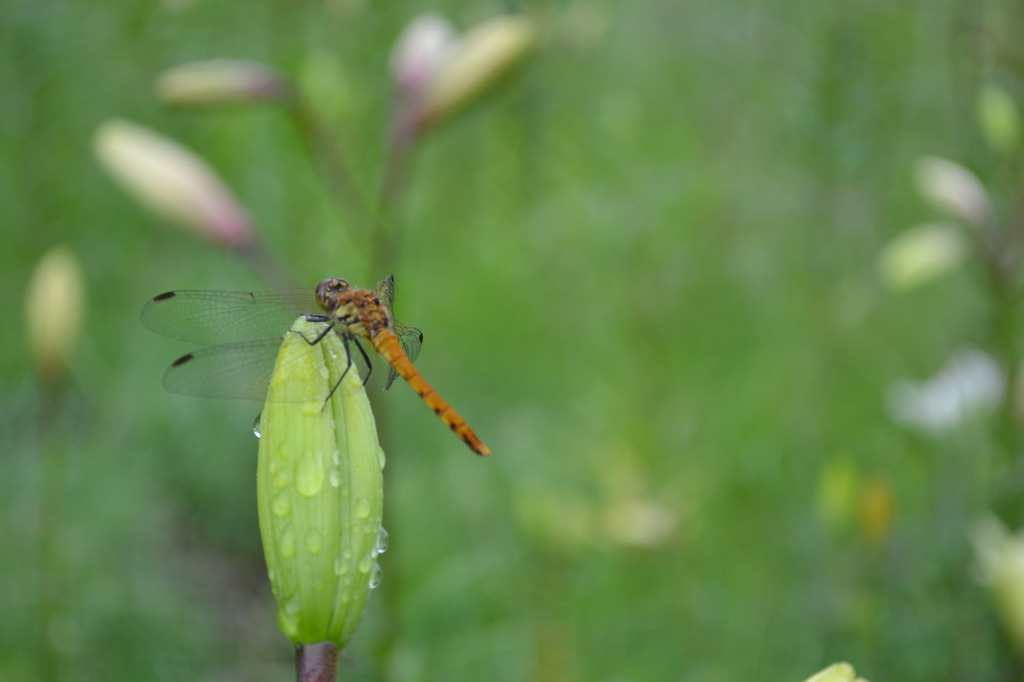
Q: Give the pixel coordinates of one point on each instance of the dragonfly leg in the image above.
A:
(345, 338)
(348, 366)
(321, 335)
(369, 365)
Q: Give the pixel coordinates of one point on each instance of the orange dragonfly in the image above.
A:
(243, 330)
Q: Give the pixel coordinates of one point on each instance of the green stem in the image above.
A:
(321, 145)
(50, 576)
(267, 265)
(1005, 337)
(383, 260)
(394, 182)
(1001, 264)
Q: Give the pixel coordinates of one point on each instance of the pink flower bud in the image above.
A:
(952, 188)
(438, 75)
(172, 182)
(425, 44)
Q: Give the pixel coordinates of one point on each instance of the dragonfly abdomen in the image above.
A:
(387, 345)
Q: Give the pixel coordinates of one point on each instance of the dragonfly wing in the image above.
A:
(386, 291)
(222, 317)
(411, 340)
(236, 370)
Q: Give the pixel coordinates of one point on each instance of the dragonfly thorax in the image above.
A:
(359, 310)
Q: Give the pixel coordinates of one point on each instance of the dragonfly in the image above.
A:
(242, 332)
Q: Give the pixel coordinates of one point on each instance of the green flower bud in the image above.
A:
(319, 488)
(920, 255)
(998, 118)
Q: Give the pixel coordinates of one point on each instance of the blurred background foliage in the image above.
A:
(647, 271)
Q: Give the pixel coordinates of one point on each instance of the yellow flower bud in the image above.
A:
(837, 672)
(220, 81)
(877, 509)
(1000, 558)
(54, 306)
(319, 489)
(838, 487)
(172, 182)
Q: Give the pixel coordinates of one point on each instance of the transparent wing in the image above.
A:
(410, 338)
(386, 292)
(242, 370)
(223, 317)
(236, 370)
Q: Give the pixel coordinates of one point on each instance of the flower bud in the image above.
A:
(1000, 559)
(998, 118)
(877, 509)
(220, 81)
(54, 306)
(920, 255)
(837, 672)
(838, 487)
(952, 188)
(425, 44)
(172, 182)
(319, 489)
(485, 54)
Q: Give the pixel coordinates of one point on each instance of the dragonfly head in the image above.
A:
(329, 288)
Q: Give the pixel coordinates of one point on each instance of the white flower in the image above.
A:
(970, 381)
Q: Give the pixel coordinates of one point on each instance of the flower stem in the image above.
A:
(316, 662)
(321, 146)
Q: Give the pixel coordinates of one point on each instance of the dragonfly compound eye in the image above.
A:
(330, 286)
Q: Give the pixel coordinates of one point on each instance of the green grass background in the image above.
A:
(646, 272)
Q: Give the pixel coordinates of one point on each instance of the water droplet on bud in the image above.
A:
(375, 575)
